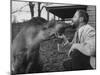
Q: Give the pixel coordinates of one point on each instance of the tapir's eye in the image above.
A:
(44, 28)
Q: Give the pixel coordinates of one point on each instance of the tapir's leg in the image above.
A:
(33, 63)
(20, 62)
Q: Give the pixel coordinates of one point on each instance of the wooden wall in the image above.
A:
(91, 10)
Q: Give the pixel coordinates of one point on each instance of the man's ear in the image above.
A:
(81, 19)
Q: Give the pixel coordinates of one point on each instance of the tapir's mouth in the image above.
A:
(51, 36)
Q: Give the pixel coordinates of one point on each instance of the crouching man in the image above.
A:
(82, 52)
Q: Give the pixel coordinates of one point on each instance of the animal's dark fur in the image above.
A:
(19, 46)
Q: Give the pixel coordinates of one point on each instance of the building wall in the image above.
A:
(91, 10)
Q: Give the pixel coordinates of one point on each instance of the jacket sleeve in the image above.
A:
(88, 46)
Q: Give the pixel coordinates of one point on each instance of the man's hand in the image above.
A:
(74, 46)
(65, 40)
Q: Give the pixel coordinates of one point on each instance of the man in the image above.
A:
(82, 52)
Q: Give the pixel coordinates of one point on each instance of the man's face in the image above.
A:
(75, 19)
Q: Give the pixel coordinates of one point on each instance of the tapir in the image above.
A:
(26, 44)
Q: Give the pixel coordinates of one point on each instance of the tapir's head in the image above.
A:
(52, 28)
(57, 27)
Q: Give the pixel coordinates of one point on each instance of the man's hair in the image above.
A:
(84, 14)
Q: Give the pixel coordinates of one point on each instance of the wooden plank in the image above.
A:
(91, 8)
(92, 17)
(92, 12)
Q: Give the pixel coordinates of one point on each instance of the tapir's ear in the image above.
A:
(51, 23)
